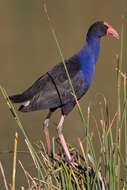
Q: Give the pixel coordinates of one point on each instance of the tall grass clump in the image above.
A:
(91, 170)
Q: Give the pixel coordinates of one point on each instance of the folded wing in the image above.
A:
(53, 90)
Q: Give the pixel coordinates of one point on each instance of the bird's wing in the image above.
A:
(53, 89)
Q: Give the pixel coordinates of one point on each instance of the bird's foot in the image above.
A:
(78, 167)
(49, 152)
(72, 163)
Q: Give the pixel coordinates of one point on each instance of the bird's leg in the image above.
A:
(46, 133)
(62, 140)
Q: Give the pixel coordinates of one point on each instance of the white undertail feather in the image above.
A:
(26, 103)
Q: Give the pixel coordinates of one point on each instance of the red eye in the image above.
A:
(104, 27)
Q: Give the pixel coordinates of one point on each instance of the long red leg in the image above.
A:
(46, 133)
(62, 140)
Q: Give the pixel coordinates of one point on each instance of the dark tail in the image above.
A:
(23, 108)
(19, 98)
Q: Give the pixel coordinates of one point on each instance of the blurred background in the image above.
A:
(28, 50)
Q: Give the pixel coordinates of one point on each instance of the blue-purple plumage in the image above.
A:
(52, 90)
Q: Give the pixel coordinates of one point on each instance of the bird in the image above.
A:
(53, 90)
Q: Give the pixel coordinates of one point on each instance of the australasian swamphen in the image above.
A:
(53, 90)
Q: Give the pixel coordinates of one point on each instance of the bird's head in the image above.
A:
(101, 28)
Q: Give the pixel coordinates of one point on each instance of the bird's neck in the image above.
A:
(88, 56)
(89, 53)
(93, 43)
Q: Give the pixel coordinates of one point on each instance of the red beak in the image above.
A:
(111, 31)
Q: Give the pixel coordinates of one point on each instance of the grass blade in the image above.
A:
(14, 161)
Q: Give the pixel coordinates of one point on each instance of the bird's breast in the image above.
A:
(87, 74)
